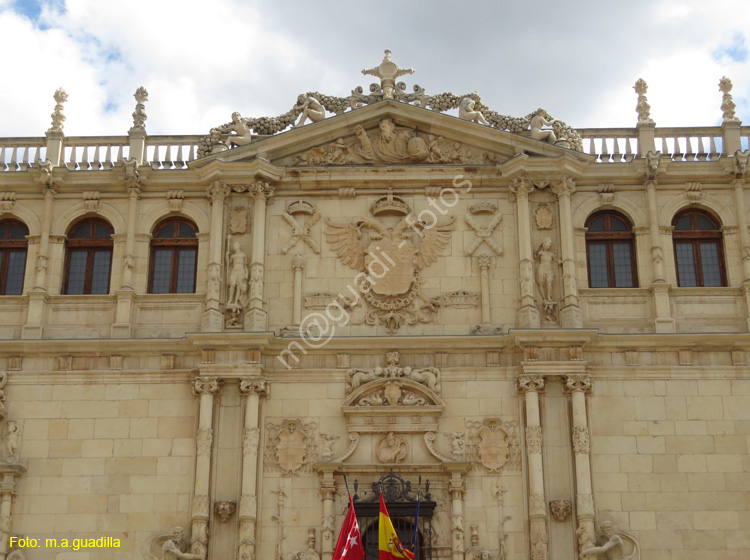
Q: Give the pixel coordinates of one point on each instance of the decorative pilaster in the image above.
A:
(530, 386)
(213, 315)
(570, 314)
(327, 494)
(484, 282)
(456, 489)
(122, 327)
(578, 385)
(254, 388)
(38, 295)
(528, 314)
(9, 474)
(298, 265)
(205, 388)
(55, 136)
(645, 127)
(137, 134)
(256, 318)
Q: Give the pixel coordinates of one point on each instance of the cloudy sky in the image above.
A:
(202, 60)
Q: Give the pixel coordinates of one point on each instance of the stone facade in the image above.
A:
(390, 288)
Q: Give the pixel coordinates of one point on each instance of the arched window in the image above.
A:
(88, 258)
(13, 246)
(698, 249)
(174, 255)
(610, 250)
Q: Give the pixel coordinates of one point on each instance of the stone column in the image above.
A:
(528, 314)
(531, 386)
(254, 388)
(456, 488)
(578, 385)
(327, 494)
(205, 388)
(659, 288)
(213, 315)
(9, 474)
(38, 295)
(122, 327)
(256, 318)
(484, 282)
(298, 265)
(570, 314)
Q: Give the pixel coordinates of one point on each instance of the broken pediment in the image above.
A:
(390, 133)
(393, 393)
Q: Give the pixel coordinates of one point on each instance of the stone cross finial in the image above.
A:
(727, 103)
(58, 117)
(388, 71)
(139, 115)
(642, 107)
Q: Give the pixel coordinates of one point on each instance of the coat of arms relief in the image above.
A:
(389, 256)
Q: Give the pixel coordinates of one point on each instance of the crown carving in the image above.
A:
(390, 206)
(483, 208)
(300, 207)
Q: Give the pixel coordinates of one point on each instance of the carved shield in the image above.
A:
(390, 266)
(290, 453)
(493, 449)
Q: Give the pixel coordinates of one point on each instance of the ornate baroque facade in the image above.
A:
(208, 332)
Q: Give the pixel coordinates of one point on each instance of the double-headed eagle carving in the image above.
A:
(389, 260)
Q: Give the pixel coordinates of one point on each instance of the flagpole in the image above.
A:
(415, 538)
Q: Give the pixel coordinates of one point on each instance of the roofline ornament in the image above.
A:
(221, 137)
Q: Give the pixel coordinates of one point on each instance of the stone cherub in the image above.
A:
(466, 111)
(242, 133)
(311, 109)
(541, 118)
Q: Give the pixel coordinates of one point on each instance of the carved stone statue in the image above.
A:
(539, 120)
(466, 111)
(11, 440)
(392, 449)
(237, 276)
(172, 548)
(614, 548)
(311, 109)
(241, 128)
(545, 269)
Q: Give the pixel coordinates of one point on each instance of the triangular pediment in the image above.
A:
(390, 133)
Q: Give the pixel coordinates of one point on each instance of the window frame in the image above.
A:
(90, 245)
(10, 245)
(609, 238)
(175, 244)
(695, 237)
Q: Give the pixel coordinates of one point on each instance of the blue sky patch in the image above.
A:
(735, 50)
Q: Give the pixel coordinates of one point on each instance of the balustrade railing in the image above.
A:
(170, 152)
(18, 154)
(85, 153)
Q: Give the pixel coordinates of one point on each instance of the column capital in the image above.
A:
(484, 261)
(206, 385)
(521, 187)
(255, 386)
(530, 383)
(218, 191)
(578, 382)
(563, 186)
(260, 190)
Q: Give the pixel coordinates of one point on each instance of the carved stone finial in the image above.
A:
(727, 103)
(139, 116)
(58, 117)
(388, 71)
(642, 107)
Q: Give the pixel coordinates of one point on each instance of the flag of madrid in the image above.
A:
(349, 546)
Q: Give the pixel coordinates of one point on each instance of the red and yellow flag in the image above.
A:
(389, 546)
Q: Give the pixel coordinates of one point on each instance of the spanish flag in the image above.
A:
(389, 546)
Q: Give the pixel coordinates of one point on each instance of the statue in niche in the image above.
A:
(241, 128)
(392, 448)
(311, 109)
(614, 548)
(237, 276)
(466, 111)
(172, 547)
(537, 122)
(11, 440)
(545, 273)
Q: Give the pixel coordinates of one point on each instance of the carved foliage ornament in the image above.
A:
(291, 446)
(580, 440)
(534, 439)
(429, 377)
